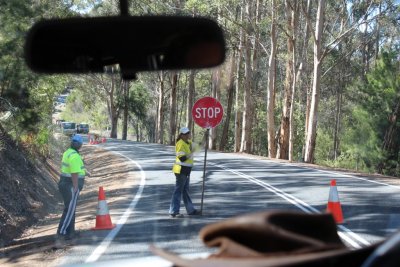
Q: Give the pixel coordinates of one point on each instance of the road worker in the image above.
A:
(71, 182)
(182, 168)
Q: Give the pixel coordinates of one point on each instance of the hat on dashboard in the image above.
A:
(272, 239)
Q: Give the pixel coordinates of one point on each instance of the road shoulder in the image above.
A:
(36, 247)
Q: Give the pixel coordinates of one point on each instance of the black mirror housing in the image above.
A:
(148, 43)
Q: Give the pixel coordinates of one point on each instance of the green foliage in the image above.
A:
(202, 7)
(383, 100)
(30, 96)
(139, 100)
(383, 87)
(324, 146)
(360, 143)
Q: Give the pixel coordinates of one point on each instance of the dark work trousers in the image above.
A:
(66, 226)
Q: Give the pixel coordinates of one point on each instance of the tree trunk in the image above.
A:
(340, 85)
(246, 142)
(312, 126)
(114, 114)
(160, 118)
(190, 101)
(303, 68)
(172, 108)
(114, 123)
(230, 90)
(271, 87)
(377, 30)
(283, 148)
(390, 144)
(338, 112)
(138, 137)
(295, 18)
(125, 86)
(366, 40)
(215, 87)
(390, 133)
(238, 109)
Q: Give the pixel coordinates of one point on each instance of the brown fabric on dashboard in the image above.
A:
(273, 239)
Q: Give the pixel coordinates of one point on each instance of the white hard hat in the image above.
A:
(184, 130)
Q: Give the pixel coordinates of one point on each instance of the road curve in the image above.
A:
(235, 184)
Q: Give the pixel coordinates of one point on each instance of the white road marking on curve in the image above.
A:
(345, 233)
(100, 249)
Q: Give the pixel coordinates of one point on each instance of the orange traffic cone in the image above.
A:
(103, 219)
(334, 206)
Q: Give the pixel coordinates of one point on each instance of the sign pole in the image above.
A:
(207, 112)
(204, 169)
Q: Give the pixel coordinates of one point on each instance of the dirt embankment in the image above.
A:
(31, 206)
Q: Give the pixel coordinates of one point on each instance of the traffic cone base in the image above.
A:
(103, 223)
(103, 219)
(334, 206)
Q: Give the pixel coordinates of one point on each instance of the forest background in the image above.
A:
(313, 81)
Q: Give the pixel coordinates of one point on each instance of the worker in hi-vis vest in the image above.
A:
(71, 182)
(182, 168)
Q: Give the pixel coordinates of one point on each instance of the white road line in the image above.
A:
(355, 236)
(346, 233)
(113, 233)
(303, 167)
(346, 175)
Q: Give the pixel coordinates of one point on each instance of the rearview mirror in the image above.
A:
(83, 45)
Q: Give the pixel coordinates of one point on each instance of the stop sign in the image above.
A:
(207, 112)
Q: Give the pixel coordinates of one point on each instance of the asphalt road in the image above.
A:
(234, 185)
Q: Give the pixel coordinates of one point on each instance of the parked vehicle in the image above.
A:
(68, 128)
(59, 122)
(82, 128)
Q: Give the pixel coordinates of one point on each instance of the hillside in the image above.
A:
(27, 191)
(31, 205)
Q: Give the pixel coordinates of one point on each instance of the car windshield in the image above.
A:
(68, 125)
(235, 133)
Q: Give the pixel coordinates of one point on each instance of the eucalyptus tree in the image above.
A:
(358, 14)
(271, 84)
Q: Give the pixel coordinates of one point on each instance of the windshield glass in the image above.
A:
(299, 126)
(68, 125)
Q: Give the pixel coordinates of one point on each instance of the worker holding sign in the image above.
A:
(182, 168)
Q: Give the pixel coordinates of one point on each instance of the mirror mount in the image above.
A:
(123, 6)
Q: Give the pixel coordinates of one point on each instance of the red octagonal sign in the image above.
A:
(207, 112)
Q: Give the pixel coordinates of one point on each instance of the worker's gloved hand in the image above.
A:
(195, 147)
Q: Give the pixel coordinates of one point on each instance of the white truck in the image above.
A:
(68, 128)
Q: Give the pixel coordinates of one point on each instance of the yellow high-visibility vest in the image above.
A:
(72, 163)
(183, 149)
